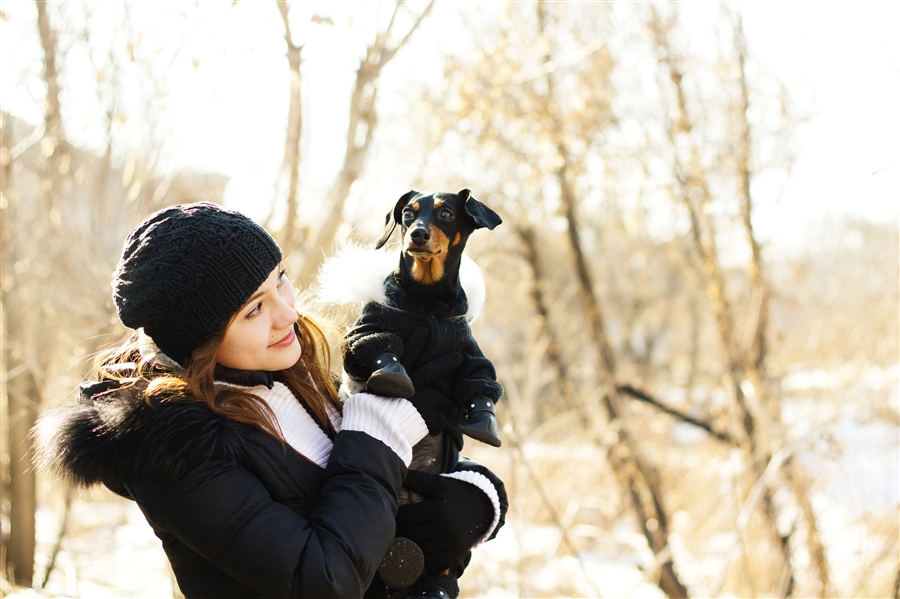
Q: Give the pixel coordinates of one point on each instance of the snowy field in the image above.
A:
(110, 552)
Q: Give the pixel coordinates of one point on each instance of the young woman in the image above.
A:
(220, 419)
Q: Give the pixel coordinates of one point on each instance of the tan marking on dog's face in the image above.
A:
(438, 203)
(428, 269)
(457, 238)
(440, 243)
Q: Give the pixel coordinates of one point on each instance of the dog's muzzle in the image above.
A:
(419, 235)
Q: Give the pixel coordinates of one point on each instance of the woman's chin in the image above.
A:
(285, 357)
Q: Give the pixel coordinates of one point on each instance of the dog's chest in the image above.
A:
(444, 334)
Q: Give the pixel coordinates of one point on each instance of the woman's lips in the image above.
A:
(285, 341)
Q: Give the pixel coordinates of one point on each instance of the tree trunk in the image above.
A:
(532, 257)
(637, 476)
(22, 397)
(291, 162)
(761, 293)
(26, 350)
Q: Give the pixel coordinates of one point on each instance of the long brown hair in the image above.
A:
(309, 380)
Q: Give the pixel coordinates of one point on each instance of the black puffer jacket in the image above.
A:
(239, 513)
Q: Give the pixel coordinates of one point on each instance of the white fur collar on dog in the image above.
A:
(355, 274)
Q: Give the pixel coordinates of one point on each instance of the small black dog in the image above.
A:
(425, 292)
(425, 289)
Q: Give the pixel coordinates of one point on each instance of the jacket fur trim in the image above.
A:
(114, 434)
(356, 275)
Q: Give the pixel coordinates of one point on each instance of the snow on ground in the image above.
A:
(496, 570)
(111, 552)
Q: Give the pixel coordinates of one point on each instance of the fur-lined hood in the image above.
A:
(113, 433)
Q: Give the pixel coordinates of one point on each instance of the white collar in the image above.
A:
(297, 426)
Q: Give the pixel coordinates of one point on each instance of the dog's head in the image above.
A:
(435, 227)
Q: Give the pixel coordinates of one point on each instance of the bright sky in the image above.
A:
(847, 54)
(841, 60)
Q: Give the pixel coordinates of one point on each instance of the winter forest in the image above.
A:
(699, 352)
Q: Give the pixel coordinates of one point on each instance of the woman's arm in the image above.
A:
(224, 513)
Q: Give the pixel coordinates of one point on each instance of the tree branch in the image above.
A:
(645, 397)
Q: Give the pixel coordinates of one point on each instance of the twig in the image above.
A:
(705, 425)
(551, 67)
(564, 535)
(753, 497)
(896, 594)
(67, 509)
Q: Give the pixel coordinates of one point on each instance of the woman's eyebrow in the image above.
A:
(253, 298)
(259, 293)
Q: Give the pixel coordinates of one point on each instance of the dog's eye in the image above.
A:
(447, 214)
(408, 212)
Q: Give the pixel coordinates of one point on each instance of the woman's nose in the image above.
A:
(285, 313)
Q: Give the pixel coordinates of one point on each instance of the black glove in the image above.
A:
(453, 515)
(467, 464)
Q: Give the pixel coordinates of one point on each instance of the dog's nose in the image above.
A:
(420, 235)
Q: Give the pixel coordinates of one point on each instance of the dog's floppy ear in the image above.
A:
(481, 214)
(393, 218)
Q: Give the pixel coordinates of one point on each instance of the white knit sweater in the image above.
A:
(394, 422)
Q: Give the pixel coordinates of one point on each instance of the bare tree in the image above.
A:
(292, 157)
(758, 412)
(638, 477)
(65, 214)
(760, 306)
(694, 193)
(360, 131)
(27, 345)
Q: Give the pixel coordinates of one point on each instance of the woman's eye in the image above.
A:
(255, 311)
(281, 278)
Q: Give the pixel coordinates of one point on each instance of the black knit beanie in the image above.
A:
(186, 270)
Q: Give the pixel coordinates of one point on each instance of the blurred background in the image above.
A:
(693, 300)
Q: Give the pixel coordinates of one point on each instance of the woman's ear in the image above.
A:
(394, 217)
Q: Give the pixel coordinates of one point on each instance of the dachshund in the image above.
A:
(425, 289)
(424, 293)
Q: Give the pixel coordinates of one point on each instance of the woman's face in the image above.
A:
(261, 336)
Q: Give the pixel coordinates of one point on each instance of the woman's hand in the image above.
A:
(396, 421)
(453, 516)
